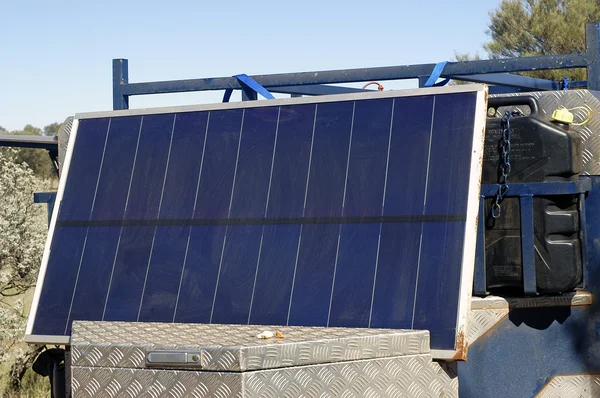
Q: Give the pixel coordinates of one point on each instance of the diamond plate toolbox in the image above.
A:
(114, 359)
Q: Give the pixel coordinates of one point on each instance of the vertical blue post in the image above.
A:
(527, 245)
(248, 94)
(583, 238)
(120, 77)
(480, 279)
(46, 197)
(592, 49)
(423, 80)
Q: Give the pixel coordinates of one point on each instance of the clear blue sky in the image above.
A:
(56, 55)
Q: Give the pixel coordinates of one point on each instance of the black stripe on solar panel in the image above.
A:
(270, 221)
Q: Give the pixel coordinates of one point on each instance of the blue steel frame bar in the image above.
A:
(582, 238)
(527, 245)
(499, 68)
(526, 192)
(46, 197)
(510, 80)
(29, 141)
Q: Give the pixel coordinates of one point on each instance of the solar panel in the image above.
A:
(350, 210)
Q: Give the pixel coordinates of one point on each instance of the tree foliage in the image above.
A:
(22, 225)
(51, 129)
(523, 28)
(23, 231)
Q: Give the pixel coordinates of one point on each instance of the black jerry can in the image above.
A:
(540, 151)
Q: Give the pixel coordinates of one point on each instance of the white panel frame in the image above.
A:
(468, 259)
(471, 228)
(43, 339)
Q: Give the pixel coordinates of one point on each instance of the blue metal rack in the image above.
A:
(496, 72)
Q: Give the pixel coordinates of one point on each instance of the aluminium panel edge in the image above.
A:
(467, 88)
(471, 224)
(29, 337)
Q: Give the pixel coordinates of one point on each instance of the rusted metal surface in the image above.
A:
(483, 320)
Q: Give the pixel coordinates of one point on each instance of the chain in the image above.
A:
(505, 166)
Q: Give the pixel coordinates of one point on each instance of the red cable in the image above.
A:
(379, 86)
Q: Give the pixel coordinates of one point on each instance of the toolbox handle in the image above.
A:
(172, 358)
(497, 102)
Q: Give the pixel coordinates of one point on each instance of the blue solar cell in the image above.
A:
(435, 305)
(368, 158)
(314, 275)
(94, 274)
(187, 148)
(342, 213)
(87, 158)
(290, 165)
(274, 276)
(117, 165)
(329, 159)
(355, 272)
(409, 149)
(122, 302)
(394, 291)
(253, 170)
(59, 281)
(218, 164)
(447, 167)
(236, 274)
(151, 153)
(201, 270)
(164, 274)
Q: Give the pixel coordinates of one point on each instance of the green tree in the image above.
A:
(524, 28)
(51, 129)
(31, 130)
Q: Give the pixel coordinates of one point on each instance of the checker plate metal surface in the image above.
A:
(410, 376)
(572, 386)
(335, 211)
(235, 347)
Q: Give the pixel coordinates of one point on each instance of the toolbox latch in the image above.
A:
(174, 358)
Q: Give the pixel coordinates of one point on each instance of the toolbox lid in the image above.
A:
(218, 347)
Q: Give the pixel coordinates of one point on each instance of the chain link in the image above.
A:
(505, 166)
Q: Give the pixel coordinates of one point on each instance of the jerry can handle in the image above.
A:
(498, 102)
